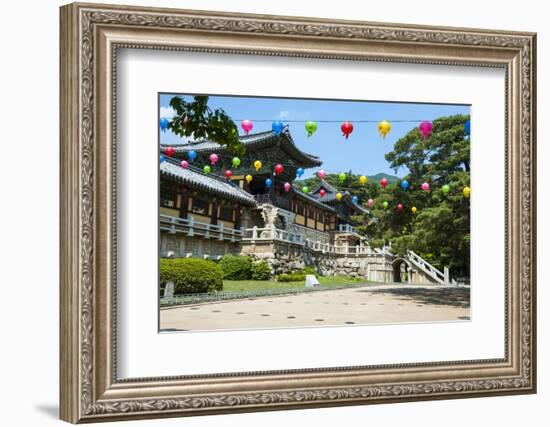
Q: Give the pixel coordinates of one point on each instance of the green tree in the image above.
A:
(440, 229)
(198, 120)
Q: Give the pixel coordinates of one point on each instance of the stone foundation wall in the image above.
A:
(181, 246)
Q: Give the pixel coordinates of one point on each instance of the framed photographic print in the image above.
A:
(266, 212)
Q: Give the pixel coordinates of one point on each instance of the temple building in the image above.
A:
(208, 215)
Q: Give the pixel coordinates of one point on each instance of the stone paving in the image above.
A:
(396, 303)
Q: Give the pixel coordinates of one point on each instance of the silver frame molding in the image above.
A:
(90, 37)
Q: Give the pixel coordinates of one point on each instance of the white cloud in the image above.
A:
(167, 112)
(284, 114)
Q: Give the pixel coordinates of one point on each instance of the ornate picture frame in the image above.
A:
(90, 37)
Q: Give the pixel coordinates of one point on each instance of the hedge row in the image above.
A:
(238, 267)
(191, 275)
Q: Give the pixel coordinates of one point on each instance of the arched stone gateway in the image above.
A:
(402, 270)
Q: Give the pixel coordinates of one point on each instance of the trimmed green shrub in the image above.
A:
(191, 275)
(261, 270)
(236, 267)
(291, 277)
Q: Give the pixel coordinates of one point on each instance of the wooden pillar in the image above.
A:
(214, 216)
(237, 208)
(184, 202)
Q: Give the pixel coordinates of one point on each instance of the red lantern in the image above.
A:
(383, 182)
(228, 174)
(347, 128)
(399, 207)
(279, 169)
(322, 192)
(170, 151)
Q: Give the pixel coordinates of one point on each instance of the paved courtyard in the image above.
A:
(355, 306)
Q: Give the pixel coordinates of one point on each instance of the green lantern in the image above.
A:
(311, 127)
(305, 189)
(445, 189)
(207, 169)
(342, 177)
(236, 162)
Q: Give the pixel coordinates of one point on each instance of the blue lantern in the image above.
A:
(404, 184)
(467, 128)
(192, 155)
(355, 199)
(268, 182)
(163, 124)
(162, 158)
(277, 127)
(299, 172)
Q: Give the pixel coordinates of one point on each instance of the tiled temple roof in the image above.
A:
(196, 179)
(257, 141)
(330, 197)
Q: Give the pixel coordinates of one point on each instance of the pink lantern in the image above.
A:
(322, 192)
(287, 186)
(279, 169)
(425, 186)
(399, 207)
(228, 174)
(213, 159)
(247, 126)
(370, 202)
(321, 174)
(425, 129)
(170, 151)
(184, 164)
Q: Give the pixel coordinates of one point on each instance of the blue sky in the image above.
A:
(363, 152)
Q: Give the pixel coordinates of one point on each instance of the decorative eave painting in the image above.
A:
(270, 212)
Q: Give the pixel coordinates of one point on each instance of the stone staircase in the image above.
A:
(429, 270)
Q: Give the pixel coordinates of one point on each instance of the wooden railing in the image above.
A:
(193, 228)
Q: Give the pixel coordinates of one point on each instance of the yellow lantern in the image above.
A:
(257, 165)
(466, 192)
(339, 196)
(363, 179)
(384, 128)
(413, 210)
(248, 178)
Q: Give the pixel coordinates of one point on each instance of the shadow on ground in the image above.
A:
(456, 297)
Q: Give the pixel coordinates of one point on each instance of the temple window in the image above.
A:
(200, 206)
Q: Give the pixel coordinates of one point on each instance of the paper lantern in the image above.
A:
(399, 207)
(305, 189)
(192, 155)
(299, 172)
(257, 165)
(287, 186)
(466, 191)
(425, 186)
(279, 169)
(342, 177)
(363, 180)
(385, 204)
(207, 169)
(236, 162)
(228, 174)
(355, 199)
(404, 184)
(248, 178)
(213, 159)
(383, 183)
(413, 210)
(445, 189)
(467, 127)
(321, 174)
(184, 164)
(384, 128)
(277, 127)
(339, 196)
(425, 129)
(311, 127)
(169, 151)
(370, 202)
(247, 126)
(164, 124)
(162, 158)
(322, 192)
(268, 182)
(347, 129)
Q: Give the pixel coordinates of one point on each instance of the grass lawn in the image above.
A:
(255, 285)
